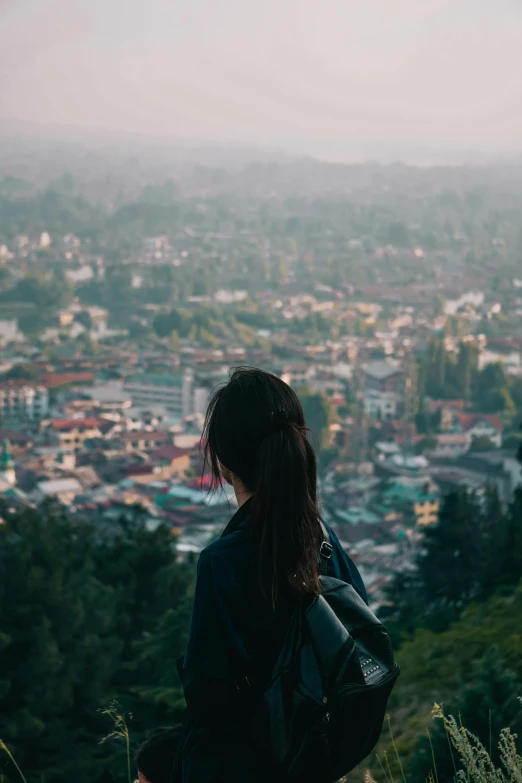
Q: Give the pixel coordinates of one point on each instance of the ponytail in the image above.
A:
(255, 427)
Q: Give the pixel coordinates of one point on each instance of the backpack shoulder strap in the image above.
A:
(325, 551)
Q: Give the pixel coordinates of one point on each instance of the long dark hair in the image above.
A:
(255, 427)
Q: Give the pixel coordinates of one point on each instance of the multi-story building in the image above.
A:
(298, 373)
(381, 405)
(21, 401)
(382, 376)
(417, 498)
(71, 434)
(173, 392)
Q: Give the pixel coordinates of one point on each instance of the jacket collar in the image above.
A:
(239, 519)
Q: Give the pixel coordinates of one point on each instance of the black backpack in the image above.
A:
(322, 712)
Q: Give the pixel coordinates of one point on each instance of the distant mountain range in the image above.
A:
(115, 168)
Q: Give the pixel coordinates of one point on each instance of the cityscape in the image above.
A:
(388, 296)
(390, 301)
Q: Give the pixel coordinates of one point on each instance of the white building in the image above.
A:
(381, 405)
(450, 445)
(480, 426)
(64, 489)
(174, 392)
(22, 401)
(298, 374)
(9, 331)
(201, 398)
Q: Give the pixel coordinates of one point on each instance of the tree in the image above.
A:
(458, 566)
(511, 564)
(319, 414)
(491, 382)
(33, 324)
(481, 443)
(174, 342)
(27, 372)
(496, 400)
(429, 443)
(59, 647)
(87, 614)
(467, 365)
(165, 323)
(438, 305)
(459, 562)
(398, 235)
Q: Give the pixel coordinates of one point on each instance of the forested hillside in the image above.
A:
(90, 615)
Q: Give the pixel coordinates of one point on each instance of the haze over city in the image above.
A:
(426, 82)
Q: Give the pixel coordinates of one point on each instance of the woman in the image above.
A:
(250, 579)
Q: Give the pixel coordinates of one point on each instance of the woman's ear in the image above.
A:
(227, 474)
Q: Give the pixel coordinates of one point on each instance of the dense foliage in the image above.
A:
(88, 615)
(456, 622)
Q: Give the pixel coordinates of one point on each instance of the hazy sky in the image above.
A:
(315, 76)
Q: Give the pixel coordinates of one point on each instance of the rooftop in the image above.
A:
(169, 452)
(381, 370)
(58, 486)
(73, 424)
(154, 379)
(137, 435)
(51, 380)
(469, 420)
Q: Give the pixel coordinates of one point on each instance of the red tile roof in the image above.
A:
(469, 420)
(74, 424)
(169, 452)
(52, 380)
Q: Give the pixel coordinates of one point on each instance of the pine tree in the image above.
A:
(467, 365)
(448, 569)
(89, 614)
(459, 562)
(59, 650)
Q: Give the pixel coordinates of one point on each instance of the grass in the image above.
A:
(477, 765)
(476, 762)
(120, 731)
(4, 747)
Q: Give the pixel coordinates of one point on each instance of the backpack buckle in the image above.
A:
(325, 550)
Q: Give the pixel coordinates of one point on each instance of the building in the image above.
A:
(201, 398)
(450, 445)
(7, 471)
(63, 489)
(418, 498)
(426, 511)
(145, 440)
(175, 459)
(481, 426)
(71, 434)
(494, 468)
(173, 392)
(21, 401)
(298, 374)
(55, 380)
(381, 405)
(383, 377)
